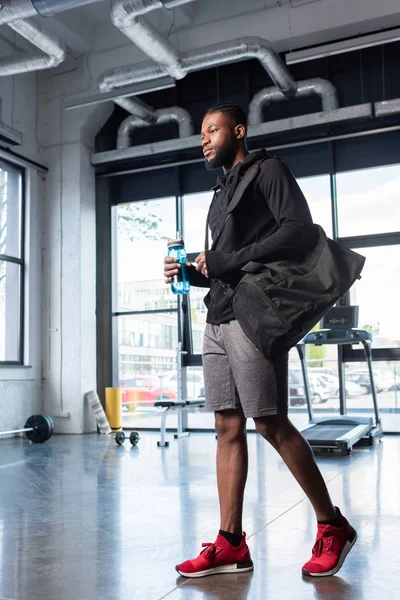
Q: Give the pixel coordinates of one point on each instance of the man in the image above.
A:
(271, 221)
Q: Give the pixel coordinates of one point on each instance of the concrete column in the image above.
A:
(69, 263)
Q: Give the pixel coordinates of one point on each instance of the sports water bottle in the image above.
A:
(180, 283)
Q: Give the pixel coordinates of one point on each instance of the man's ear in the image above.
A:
(240, 132)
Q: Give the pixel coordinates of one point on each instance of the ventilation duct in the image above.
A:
(53, 49)
(322, 119)
(133, 105)
(321, 87)
(125, 16)
(203, 58)
(11, 10)
(174, 114)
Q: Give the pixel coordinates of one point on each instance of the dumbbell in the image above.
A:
(120, 438)
(38, 429)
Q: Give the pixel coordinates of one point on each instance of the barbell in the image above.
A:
(38, 429)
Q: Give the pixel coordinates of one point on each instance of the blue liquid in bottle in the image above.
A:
(180, 283)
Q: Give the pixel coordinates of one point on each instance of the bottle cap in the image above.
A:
(177, 242)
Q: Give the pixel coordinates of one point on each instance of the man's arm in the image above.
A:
(291, 213)
(196, 278)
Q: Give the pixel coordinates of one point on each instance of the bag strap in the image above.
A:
(242, 186)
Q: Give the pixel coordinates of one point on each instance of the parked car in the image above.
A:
(141, 390)
(332, 381)
(319, 391)
(319, 388)
(384, 380)
(297, 395)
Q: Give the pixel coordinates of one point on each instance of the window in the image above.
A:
(142, 229)
(195, 210)
(317, 191)
(11, 265)
(377, 294)
(368, 201)
(146, 318)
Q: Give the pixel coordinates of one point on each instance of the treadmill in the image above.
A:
(340, 432)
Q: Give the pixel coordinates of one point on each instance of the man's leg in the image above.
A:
(229, 553)
(335, 536)
(232, 464)
(297, 454)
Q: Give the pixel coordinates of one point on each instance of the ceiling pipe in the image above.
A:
(125, 15)
(318, 86)
(322, 119)
(53, 49)
(204, 58)
(11, 10)
(240, 49)
(133, 105)
(175, 114)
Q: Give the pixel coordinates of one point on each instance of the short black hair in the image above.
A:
(235, 112)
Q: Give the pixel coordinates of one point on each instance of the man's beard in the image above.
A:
(224, 157)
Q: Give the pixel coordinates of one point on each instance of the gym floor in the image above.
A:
(84, 519)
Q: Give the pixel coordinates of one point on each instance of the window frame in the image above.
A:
(22, 268)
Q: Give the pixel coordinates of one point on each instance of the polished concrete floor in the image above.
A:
(84, 519)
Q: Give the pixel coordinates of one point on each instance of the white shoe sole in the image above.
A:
(348, 546)
(219, 570)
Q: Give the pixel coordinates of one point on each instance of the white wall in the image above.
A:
(69, 249)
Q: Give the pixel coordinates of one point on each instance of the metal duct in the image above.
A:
(175, 114)
(50, 45)
(11, 10)
(321, 87)
(203, 58)
(125, 16)
(340, 115)
(238, 50)
(133, 105)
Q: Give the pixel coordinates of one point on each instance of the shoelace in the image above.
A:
(320, 544)
(210, 550)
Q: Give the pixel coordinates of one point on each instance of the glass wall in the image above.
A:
(377, 294)
(145, 316)
(11, 265)
(146, 312)
(368, 201)
(317, 191)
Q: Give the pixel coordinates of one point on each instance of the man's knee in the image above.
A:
(230, 424)
(274, 429)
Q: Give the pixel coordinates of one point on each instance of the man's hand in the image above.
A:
(171, 268)
(201, 263)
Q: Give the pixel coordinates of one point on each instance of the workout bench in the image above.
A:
(178, 406)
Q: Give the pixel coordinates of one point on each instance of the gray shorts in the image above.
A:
(236, 374)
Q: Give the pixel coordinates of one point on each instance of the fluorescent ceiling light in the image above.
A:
(358, 43)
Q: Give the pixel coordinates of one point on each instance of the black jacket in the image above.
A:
(271, 222)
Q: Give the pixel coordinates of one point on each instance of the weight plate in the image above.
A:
(120, 437)
(42, 428)
(51, 426)
(134, 438)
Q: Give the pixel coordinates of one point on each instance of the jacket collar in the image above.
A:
(250, 159)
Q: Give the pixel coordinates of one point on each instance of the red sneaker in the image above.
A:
(220, 557)
(330, 549)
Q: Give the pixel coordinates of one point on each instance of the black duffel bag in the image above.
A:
(276, 304)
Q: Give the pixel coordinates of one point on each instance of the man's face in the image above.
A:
(219, 141)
